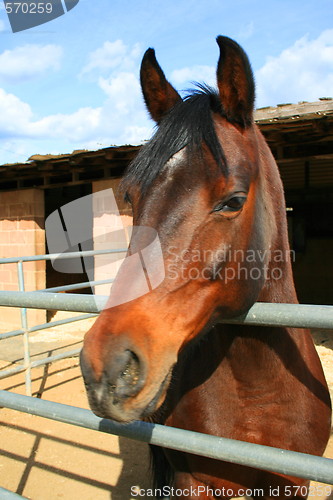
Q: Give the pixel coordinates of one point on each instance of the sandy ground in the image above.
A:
(44, 460)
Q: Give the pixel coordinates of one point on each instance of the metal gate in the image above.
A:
(253, 455)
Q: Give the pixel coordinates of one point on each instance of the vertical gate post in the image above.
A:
(24, 322)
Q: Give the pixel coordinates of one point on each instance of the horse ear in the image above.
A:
(158, 93)
(235, 82)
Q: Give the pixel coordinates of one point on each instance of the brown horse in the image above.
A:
(208, 184)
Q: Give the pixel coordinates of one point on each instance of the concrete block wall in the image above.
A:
(21, 234)
(103, 222)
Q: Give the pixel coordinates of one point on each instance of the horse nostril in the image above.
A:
(119, 375)
(131, 377)
(131, 372)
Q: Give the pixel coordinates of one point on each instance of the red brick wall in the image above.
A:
(21, 234)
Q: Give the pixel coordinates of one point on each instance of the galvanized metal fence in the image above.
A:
(253, 455)
(262, 457)
(25, 330)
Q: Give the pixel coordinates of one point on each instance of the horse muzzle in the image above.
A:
(117, 392)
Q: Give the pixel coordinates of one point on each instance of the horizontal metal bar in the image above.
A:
(56, 357)
(59, 322)
(13, 333)
(39, 362)
(9, 495)
(68, 255)
(54, 301)
(43, 326)
(292, 315)
(12, 371)
(77, 286)
(252, 455)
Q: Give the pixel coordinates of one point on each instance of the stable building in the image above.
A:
(301, 139)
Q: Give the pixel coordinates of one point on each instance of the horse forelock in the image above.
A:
(189, 124)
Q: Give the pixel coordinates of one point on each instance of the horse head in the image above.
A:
(208, 185)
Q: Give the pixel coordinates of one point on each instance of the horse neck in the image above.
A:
(283, 288)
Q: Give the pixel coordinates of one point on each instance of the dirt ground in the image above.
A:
(46, 460)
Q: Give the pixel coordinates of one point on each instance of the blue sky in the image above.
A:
(73, 83)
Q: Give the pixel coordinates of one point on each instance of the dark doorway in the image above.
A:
(311, 238)
(55, 198)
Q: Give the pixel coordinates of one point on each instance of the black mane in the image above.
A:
(189, 123)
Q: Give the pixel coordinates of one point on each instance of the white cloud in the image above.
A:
(77, 126)
(17, 121)
(14, 151)
(120, 119)
(199, 73)
(15, 115)
(303, 71)
(123, 90)
(110, 56)
(123, 114)
(246, 31)
(29, 61)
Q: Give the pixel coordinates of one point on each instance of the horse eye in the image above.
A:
(234, 204)
(127, 198)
